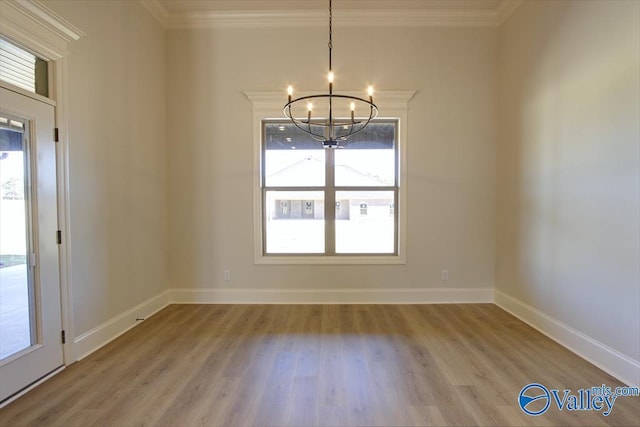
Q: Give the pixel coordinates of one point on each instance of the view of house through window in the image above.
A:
(329, 201)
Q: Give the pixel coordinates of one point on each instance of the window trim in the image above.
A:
(393, 105)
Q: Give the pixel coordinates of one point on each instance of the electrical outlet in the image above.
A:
(445, 275)
(227, 275)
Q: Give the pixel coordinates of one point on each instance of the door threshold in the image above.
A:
(30, 387)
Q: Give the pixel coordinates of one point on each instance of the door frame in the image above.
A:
(30, 24)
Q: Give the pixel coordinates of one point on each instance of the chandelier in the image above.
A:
(330, 128)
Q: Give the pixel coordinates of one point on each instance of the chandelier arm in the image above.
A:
(345, 137)
(331, 126)
(372, 115)
(298, 124)
(308, 131)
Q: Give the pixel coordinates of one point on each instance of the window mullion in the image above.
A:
(329, 204)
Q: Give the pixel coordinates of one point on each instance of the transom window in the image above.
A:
(331, 202)
(23, 69)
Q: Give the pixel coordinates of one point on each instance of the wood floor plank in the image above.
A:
(425, 416)
(473, 398)
(318, 365)
(302, 408)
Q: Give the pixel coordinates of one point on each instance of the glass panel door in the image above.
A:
(31, 330)
(17, 331)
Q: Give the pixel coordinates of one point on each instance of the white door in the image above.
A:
(30, 316)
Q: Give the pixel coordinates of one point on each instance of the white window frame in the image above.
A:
(268, 106)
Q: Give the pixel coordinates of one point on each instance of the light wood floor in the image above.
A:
(303, 365)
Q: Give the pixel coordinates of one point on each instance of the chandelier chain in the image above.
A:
(330, 34)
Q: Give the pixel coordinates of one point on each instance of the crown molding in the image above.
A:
(352, 18)
(37, 27)
(39, 12)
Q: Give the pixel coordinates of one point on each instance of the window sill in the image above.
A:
(330, 260)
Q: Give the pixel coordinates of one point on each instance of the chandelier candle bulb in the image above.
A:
(353, 109)
(290, 92)
(370, 92)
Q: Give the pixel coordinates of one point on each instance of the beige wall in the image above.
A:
(117, 159)
(568, 217)
(451, 149)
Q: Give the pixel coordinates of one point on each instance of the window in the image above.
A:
(329, 202)
(23, 69)
(325, 236)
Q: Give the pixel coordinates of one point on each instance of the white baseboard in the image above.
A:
(609, 360)
(329, 296)
(101, 335)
